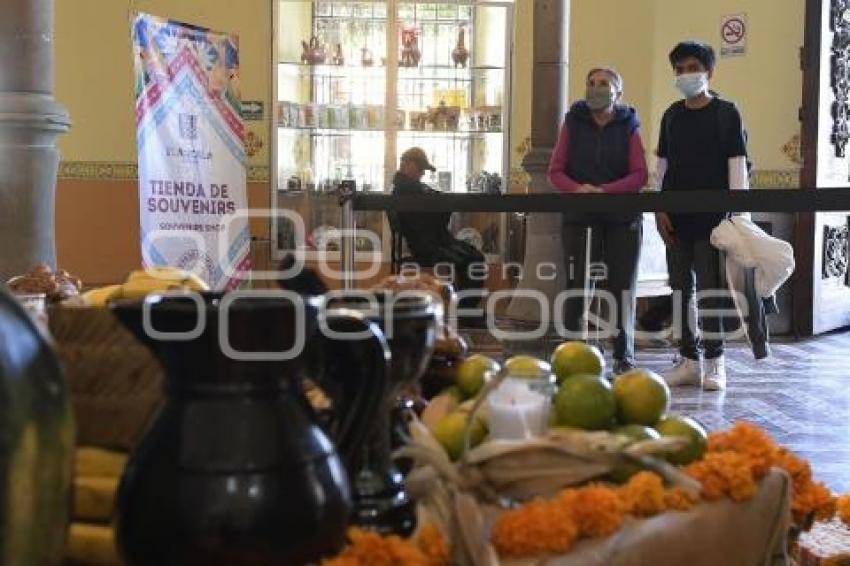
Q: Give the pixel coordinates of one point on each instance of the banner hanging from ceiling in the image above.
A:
(191, 152)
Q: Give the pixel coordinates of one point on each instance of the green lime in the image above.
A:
(636, 433)
(449, 433)
(571, 358)
(585, 401)
(527, 366)
(471, 374)
(684, 427)
(642, 397)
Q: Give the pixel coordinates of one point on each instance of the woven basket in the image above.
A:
(115, 381)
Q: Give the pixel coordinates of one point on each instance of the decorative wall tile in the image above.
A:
(124, 171)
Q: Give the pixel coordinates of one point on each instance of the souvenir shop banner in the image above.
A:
(191, 150)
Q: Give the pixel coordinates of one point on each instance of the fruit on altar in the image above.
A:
(692, 431)
(571, 358)
(143, 281)
(473, 372)
(438, 408)
(635, 433)
(585, 401)
(527, 366)
(101, 295)
(642, 397)
(449, 432)
(58, 285)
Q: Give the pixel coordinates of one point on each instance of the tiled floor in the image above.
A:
(801, 395)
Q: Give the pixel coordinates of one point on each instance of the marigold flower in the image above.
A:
(735, 460)
(724, 473)
(537, 528)
(813, 498)
(433, 545)
(799, 469)
(747, 439)
(597, 510)
(643, 494)
(371, 549)
(679, 499)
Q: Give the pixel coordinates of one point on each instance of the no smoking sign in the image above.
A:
(733, 35)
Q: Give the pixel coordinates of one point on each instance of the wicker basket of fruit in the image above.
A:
(115, 381)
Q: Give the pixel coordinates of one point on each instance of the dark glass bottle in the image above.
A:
(36, 443)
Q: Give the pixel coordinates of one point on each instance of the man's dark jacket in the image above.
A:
(424, 231)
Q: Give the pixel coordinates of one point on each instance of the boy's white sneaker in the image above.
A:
(685, 372)
(715, 374)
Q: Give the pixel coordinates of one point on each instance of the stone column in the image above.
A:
(549, 101)
(30, 121)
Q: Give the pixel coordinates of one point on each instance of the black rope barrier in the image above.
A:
(754, 200)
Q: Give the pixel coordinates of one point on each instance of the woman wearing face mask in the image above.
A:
(599, 150)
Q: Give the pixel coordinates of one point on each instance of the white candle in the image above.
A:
(516, 412)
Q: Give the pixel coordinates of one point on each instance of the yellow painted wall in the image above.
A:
(636, 36)
(94, 73)
(766, 83)
(618, 34)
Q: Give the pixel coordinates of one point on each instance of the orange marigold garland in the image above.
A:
(643, 495)
(736, 459)
(810, 498)
(433, 545)
(598, 510)
(537, 528)
(680, 499)
(368, 548)
(749, 440)
(724, 473)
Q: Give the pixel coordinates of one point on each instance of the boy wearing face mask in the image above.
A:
(702, 146)
(599, 150)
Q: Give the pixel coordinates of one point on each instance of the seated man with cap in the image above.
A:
(427, 233)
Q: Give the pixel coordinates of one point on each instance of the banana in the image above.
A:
(169, 278)
(98, 463)
(138, 288)
(94, 498)
(91, 544)
(102, 295)
(160, 278)
(140, 282)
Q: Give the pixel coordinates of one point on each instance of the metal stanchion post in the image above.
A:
(585, 297)
(347, 248)
(589, 294)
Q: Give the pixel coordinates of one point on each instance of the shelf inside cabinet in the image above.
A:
(324, 66)
(406, 133)
(316, 104)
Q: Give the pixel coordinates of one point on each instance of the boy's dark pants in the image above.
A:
(694, 265)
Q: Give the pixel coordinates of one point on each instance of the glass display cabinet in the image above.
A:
(356, 83)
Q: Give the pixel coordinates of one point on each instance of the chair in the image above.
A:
(397, 257)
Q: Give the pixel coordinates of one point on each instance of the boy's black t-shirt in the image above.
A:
(697, 157)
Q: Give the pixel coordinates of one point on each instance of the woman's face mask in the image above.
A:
(600, 97)
(692, 84)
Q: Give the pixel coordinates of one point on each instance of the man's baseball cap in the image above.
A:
(417, 155)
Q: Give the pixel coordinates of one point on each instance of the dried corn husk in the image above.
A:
(503, 473)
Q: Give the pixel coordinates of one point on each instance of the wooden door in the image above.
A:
(822, 288)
